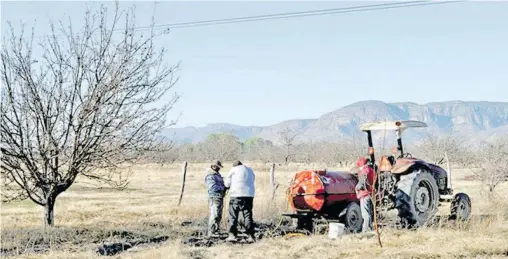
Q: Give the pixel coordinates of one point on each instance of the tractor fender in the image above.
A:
(403, 165)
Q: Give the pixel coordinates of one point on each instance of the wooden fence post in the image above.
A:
(272, 180)
(183, 182)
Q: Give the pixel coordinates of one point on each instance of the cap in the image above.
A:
(237, 163)
(218, 163)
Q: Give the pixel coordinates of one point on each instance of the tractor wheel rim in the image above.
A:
(463, 210)
(422, 199)
(353, 218)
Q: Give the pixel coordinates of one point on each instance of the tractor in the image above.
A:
(410, 185)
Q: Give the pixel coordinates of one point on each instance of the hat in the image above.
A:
(217, 163)
(237, 163)
(361, 162)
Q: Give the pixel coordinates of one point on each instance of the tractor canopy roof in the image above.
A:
(392, 125)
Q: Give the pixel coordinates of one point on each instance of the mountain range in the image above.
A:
(472, 120)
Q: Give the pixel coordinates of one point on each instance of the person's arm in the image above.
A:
(227, 182)
(253, 181)
(253, 177)
(209, 181)
(362, 181)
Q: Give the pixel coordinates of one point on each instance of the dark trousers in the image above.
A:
(243, 205)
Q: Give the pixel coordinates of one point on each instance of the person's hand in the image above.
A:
(361, 183)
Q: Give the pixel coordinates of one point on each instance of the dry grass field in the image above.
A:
(86, 217)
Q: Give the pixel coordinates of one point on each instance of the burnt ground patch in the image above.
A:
(101, 239)
(115, 248)
(262, 230)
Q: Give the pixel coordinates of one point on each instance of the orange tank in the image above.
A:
(319, 191)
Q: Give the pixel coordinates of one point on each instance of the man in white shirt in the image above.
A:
(240, 182)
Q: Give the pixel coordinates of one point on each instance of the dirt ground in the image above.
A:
(144, 221)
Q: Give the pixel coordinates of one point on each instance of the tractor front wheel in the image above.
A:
(460, 207)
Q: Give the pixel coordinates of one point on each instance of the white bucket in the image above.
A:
(335, 230)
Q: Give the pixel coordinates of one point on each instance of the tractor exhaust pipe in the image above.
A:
(371, 147)
(399, 143)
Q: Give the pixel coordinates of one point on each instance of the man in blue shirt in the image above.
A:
(216, 190)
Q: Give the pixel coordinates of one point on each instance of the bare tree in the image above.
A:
(223, 146)
(305, 153)
(84, 107)
(188, 152)
(268, 152)
(287, 138)
(164, 153)
(256, 148)
(331, 153)
(356, 146)
(433, 148)
(490, 164)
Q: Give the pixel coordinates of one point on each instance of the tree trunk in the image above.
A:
(49, 219)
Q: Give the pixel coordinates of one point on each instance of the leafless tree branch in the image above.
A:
(83, 107)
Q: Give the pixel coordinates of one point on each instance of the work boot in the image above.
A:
(231, 238)
(213, 235)
(250, 239)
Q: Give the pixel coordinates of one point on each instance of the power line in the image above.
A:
(286, 15)
(298, 14)
(276, 16)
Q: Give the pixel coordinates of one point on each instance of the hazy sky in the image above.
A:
(261, 73)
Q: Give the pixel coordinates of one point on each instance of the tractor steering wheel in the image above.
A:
(405, 155)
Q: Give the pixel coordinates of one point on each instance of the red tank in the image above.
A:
(318, 191)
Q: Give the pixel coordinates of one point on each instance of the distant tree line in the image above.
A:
(227, 147)
(286, 149)
(486, 160)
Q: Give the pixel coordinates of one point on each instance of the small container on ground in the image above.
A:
(335, 230)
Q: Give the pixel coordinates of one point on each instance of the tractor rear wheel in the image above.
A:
(352, 218)
(417, 197)
(460, 207)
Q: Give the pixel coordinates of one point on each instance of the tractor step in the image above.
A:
(446, 198)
